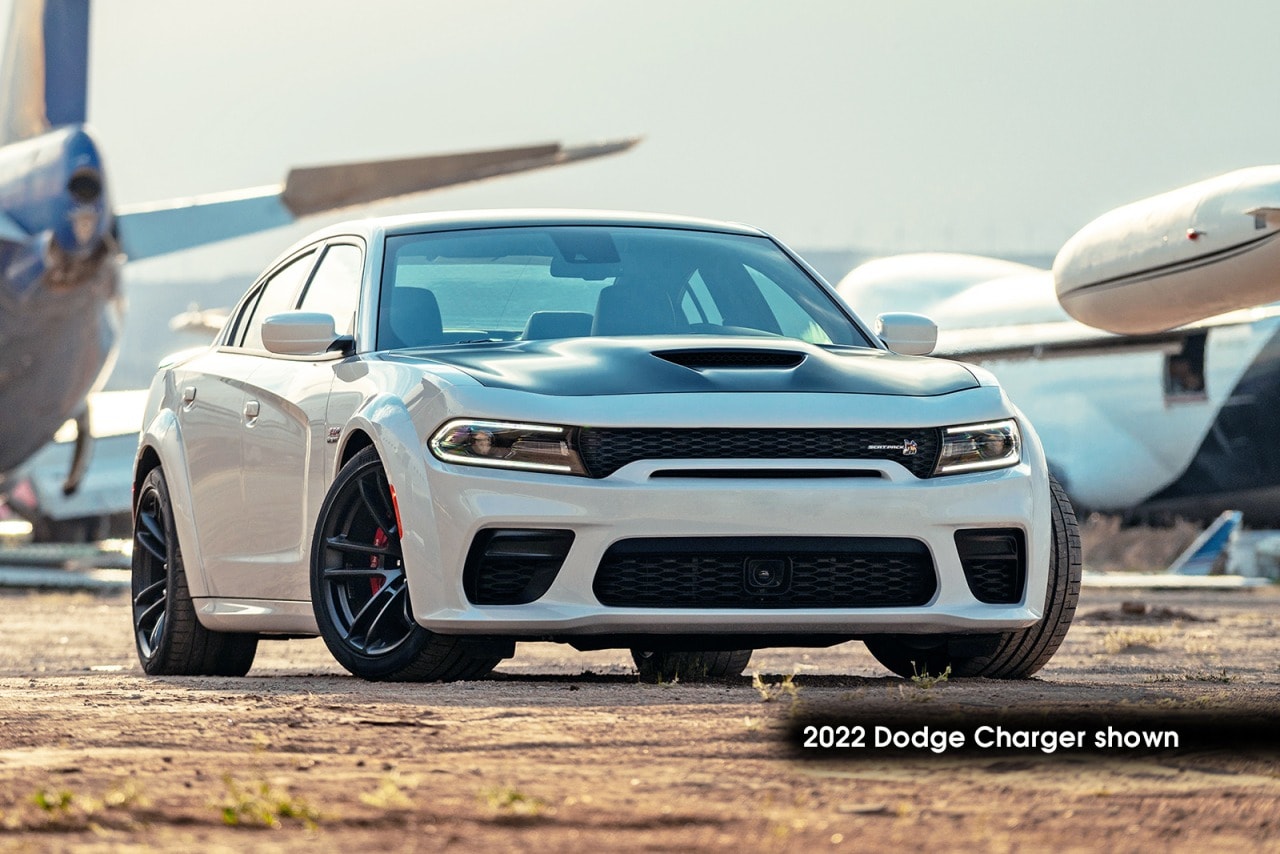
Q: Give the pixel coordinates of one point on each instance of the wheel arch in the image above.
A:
(385, 423)
(356, 441)
(148, 459)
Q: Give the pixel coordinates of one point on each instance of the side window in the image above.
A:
(279, 295)
(697, 304)
(335, 287)
(235, 329)
(792, 319)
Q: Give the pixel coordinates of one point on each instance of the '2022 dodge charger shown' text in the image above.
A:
(427, 438)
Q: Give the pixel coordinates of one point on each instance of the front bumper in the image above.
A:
(887, 501)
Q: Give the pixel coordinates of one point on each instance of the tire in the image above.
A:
(657, 667)
(1004, 655)
(166, 631)
(360, 594)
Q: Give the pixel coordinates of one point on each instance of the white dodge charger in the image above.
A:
(427, 438)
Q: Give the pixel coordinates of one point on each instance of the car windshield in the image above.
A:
(502, 284)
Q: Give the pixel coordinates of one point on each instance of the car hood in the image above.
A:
(691, 364)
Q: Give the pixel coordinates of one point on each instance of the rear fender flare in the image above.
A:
(163, 435)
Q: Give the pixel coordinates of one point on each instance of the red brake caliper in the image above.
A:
(375, 562)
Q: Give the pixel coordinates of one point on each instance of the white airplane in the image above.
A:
(1148, 357)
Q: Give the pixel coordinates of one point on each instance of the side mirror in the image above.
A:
(908, 334)
(298, 333)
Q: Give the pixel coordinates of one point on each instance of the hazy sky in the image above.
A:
(997, 126)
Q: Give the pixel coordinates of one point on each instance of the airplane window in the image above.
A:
(278, 295)
(335, 287)
(1184, 371)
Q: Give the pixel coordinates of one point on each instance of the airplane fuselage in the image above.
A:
(1124, 440)
(1195, 252)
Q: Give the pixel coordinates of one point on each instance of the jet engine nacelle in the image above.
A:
(1182, 256)
(53, 189)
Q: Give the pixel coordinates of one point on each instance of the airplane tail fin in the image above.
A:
(1207, 555)
(45, 71)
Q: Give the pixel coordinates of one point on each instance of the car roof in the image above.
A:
(454, 220)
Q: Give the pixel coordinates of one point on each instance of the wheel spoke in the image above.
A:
(375, 501)
(388, 508)
(157, 632)
(146, 594)
(150, 611)
(385, 592)
(388, 608)
(343, 544)
(340, 572)
(151, 537)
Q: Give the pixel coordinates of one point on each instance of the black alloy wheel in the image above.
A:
(360, 593)
(168, 635)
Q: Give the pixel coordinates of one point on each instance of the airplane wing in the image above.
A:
(1070, 338)
(158, 228)
(1013, 315)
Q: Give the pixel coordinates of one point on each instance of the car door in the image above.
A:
(285, 453)
(212, 417)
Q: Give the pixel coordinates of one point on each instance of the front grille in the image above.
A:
(994, 562)
(510, 566)
(604, 450)
(766, 572)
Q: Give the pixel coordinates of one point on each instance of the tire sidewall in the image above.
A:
(155, 482)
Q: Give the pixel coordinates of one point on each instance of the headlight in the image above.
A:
(507, 445)
(980, 447)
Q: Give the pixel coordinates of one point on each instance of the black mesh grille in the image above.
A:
(513, 566)
(604, 450)
(698, 359)
(766, 572)
(994, 563)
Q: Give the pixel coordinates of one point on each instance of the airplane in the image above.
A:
(1148, 357)
(1203, 565)
(62, 241)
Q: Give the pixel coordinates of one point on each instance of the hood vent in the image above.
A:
(700, 360)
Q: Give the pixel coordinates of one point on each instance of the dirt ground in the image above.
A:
(566, 751)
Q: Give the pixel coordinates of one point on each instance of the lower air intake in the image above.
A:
(766, 572)
(510, 566)
(995, 564)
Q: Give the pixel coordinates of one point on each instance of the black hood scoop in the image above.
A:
(708, 359)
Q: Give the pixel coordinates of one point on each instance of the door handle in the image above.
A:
(188, 395)
(251, 409)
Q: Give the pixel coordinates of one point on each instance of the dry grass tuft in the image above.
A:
(1110, 547)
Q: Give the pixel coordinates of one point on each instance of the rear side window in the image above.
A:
(279, 294)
